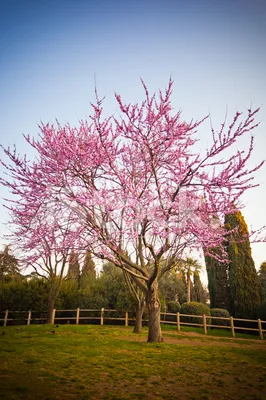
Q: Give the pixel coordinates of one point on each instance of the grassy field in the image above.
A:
(94, 362)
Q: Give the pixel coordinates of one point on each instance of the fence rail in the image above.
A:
(107, 315)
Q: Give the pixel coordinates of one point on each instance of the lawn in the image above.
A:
(104, 362)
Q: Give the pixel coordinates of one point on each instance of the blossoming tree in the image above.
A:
(43, 241)
(140, 194)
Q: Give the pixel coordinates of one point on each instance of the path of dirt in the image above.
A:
(198, 340)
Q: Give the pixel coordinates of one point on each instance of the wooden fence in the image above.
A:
(106, 316)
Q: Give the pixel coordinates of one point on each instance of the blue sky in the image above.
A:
(51, 50)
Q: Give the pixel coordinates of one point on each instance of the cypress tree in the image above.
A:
(262, 279)
(8, 265)
(88, 273)
(74, 267)
(218, 282)
(243, 278)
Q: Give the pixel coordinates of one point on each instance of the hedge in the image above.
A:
(194, 308)
(173, 307)
(220, 312)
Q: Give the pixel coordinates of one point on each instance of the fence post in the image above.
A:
(6, 316)
(77, 316)
(178, 321)
(126, 319)
(29, 318)
(204, 324)
(232, 326)
(53, 316)
(102, 313)
(260, 329)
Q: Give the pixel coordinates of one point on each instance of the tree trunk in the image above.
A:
(54, 292)
(139, 314)
(154, 308)
(51, 303)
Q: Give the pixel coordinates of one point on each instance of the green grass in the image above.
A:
(94, 362)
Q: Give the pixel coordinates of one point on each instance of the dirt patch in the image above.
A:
(205, 342)
(197, 340)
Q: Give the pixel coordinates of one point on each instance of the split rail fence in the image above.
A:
(107, 316)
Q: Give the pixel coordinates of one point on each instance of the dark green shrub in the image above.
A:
(24, 295)
(220, 312)
(173, 307)
(194, 308)
(262, 311)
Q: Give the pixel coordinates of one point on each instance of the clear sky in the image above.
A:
(215, 51)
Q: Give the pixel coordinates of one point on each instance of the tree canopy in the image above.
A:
(135, 187)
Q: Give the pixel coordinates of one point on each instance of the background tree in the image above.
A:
(262, 279)
(135, 185)
(218, 282)
(172, 288)
(8, 265)
(243, 278)
(69, 296)
(114, 288)
(122, 293)
(73, 272)
(188, 268)
(199, 294)
(88, 272)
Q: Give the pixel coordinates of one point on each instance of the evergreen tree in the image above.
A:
(74, 268)
(218, 282)
(198, 293)
(262, 279)
(8, 265)
(243, 279)
(88, 273)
